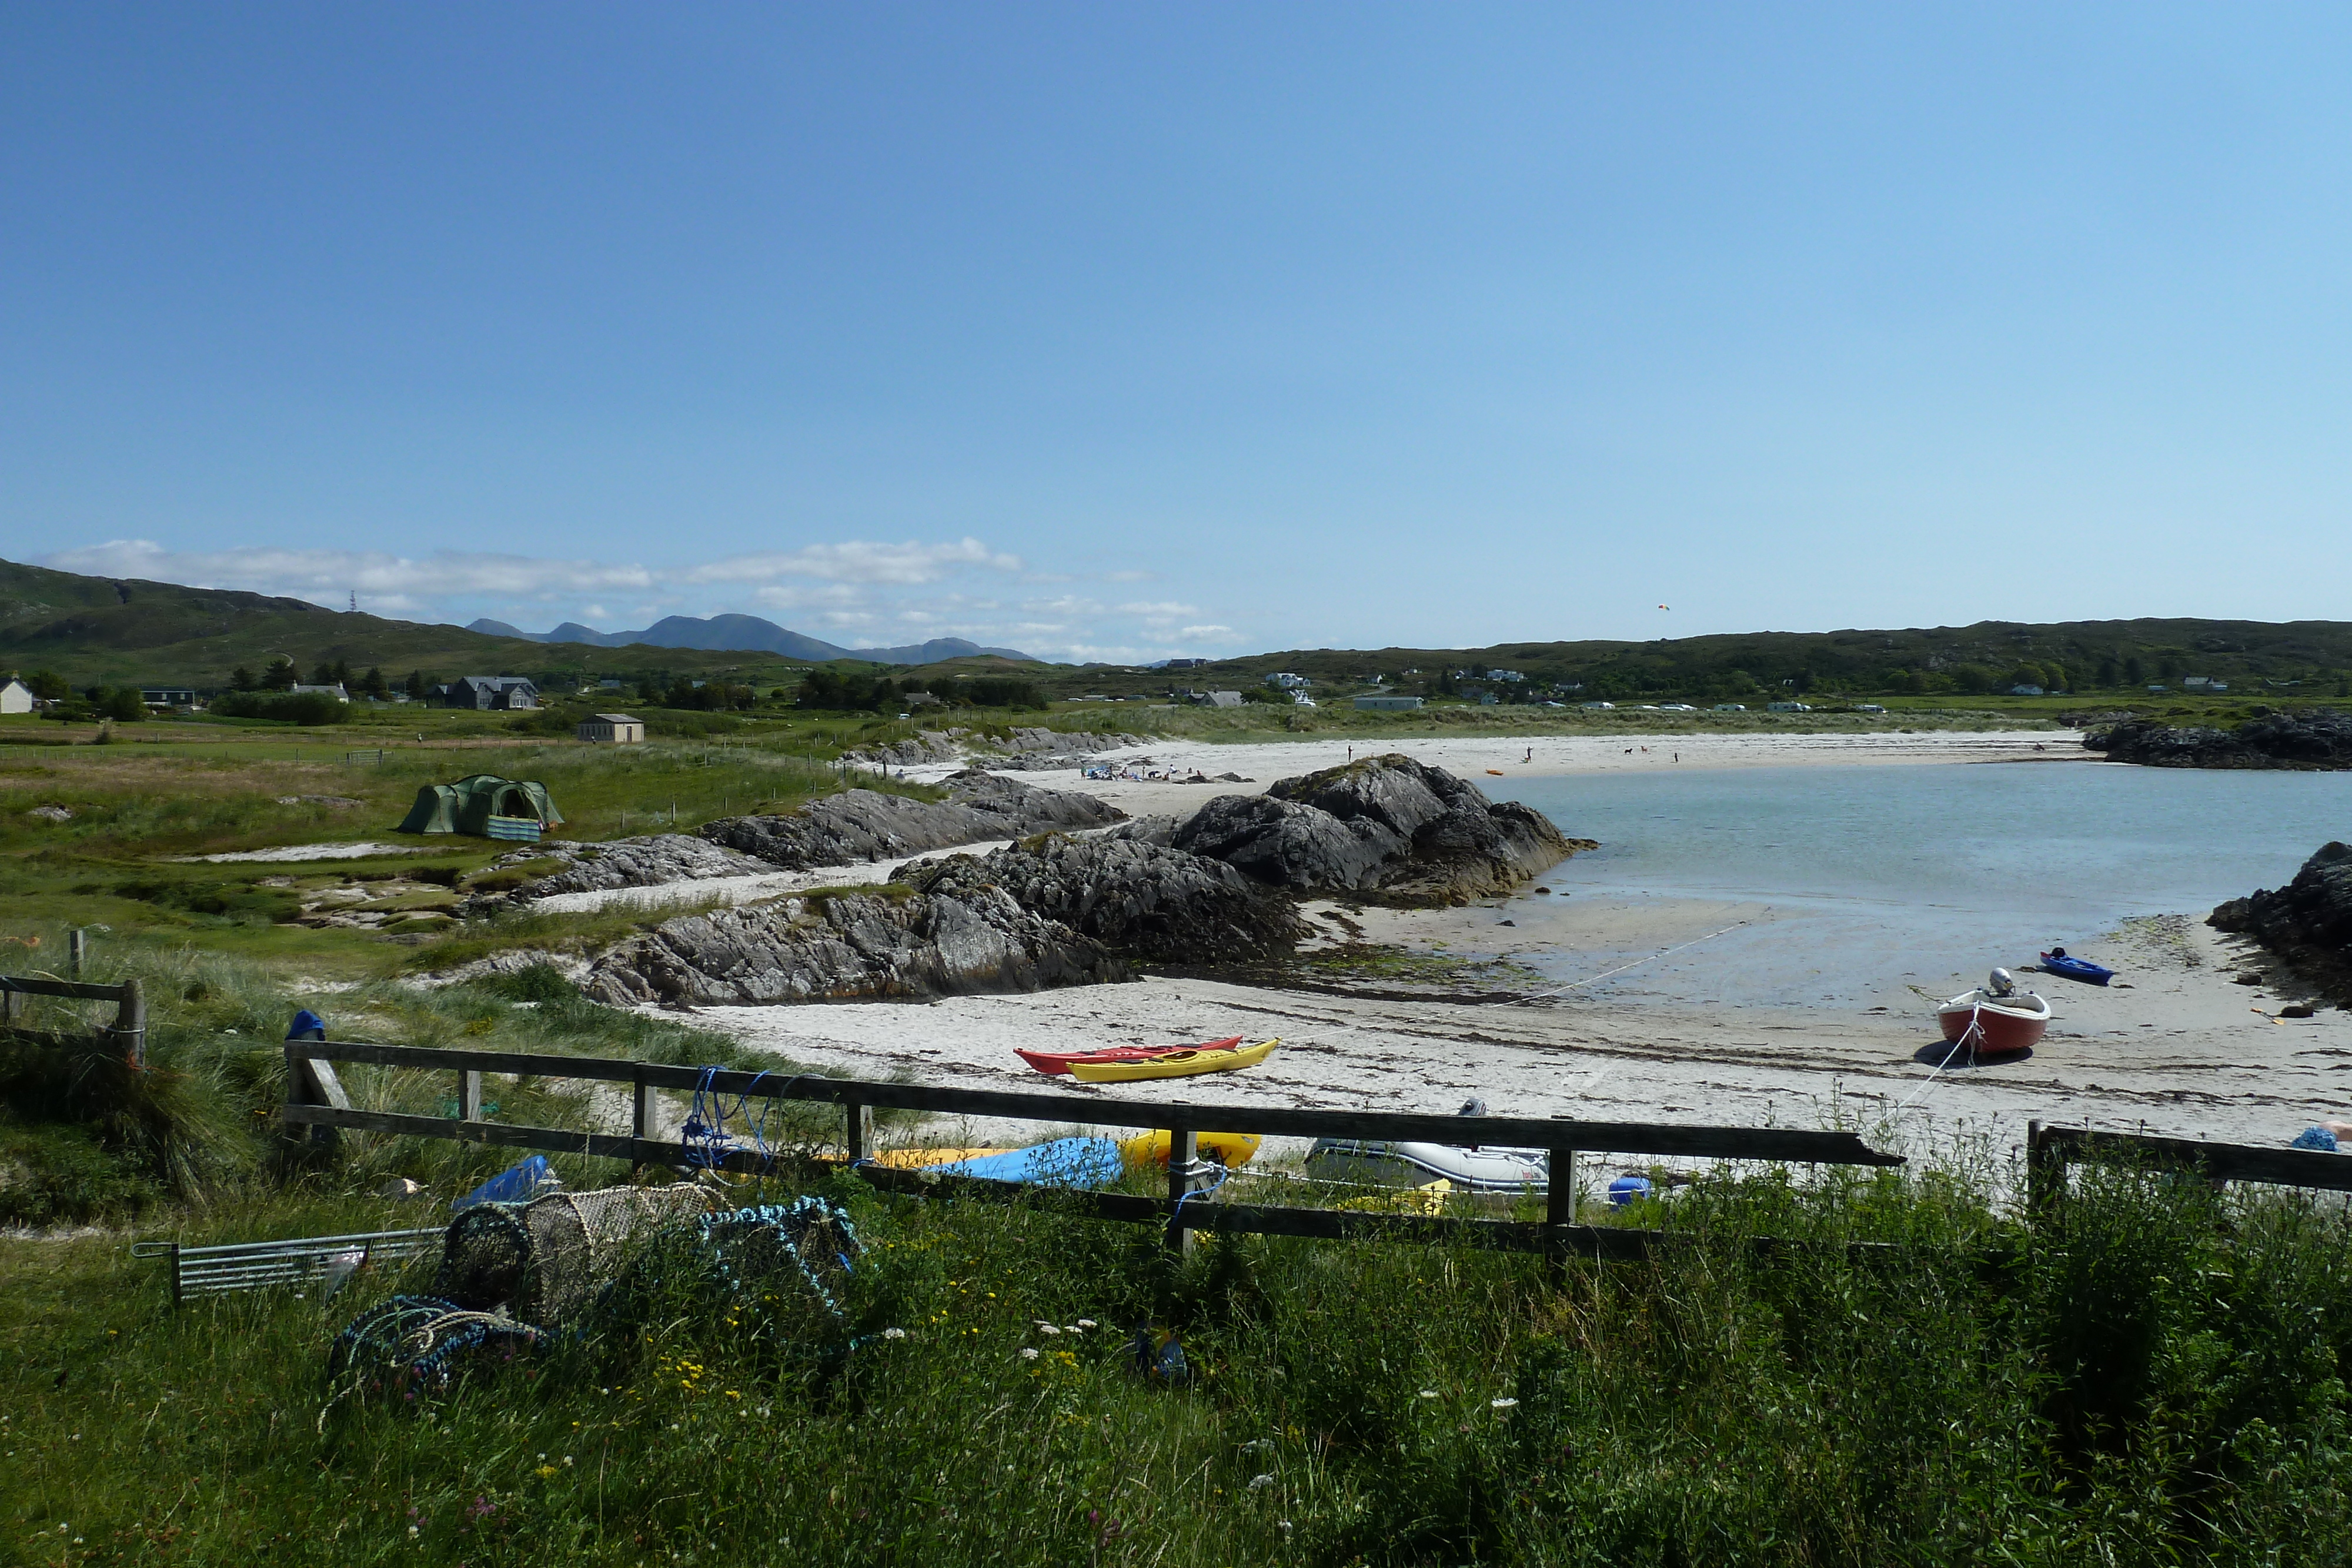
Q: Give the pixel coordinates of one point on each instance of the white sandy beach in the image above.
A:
(2177, 1048)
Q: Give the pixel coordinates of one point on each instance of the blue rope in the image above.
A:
(705, 1137)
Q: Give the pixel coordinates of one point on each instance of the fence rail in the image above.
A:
(316, 1099)
(128, 1030)
(2050, 1150)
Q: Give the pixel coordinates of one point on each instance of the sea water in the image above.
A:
(1859, 881)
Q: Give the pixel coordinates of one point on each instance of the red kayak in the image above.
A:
(1057, 1063)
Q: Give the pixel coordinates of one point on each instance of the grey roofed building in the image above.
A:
(495, 691)
(1224, 699)
(1387, 703)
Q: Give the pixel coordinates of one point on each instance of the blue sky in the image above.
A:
(1136, 330)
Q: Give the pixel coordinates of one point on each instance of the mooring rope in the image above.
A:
(1637, 963)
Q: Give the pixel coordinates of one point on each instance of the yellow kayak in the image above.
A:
(1182, 1064)
(1226, 1148)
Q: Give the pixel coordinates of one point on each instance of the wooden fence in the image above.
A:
(127, 1032)
(316, 1098)
(2050, 1150)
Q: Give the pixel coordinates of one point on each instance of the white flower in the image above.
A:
(894, 1334)
(1259, 1483)
(1028, 1353)
(1085, 1322)
(1072, 1328)
(1505, 1403)
(1048, 1328)
(1429, 1394)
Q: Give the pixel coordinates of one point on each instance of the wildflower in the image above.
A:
(1045, 1328)
(894, 1334)
(1028, 1353)
(1505, 1403)
(546, 1471)
(1259, 1483)
(1429, 1394)
(1084, 1323)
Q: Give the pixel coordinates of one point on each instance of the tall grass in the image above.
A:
(1720, 1402)
(84, 1138)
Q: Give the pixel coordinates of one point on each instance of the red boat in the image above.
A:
(1994, 1022)
(1054, 1063)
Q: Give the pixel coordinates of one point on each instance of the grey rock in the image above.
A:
(2308, 923)
(1132, 896)
(2315, 741)
(890, 943)
(866, 825)
(1384, 827)
(1145, 830)
(647, 862)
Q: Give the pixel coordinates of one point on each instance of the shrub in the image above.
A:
(289, 707)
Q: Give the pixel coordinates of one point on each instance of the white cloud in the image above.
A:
(1068, 604)
(857, 560)
(852, 591)
(791, 598)
(327, 574)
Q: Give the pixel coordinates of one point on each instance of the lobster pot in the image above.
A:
(546, 1259)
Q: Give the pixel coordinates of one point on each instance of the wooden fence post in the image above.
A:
(131, 1024)
(2045, 1171)
(469, 1095)
(313, 1082)
(76, 944)
(1183, 1179)
(856, 1131)
(643, 1112)
(1559, 1205)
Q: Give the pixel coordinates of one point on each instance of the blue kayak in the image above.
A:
(2056, 962)
(1065, 1161)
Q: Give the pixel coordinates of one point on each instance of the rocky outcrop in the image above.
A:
(646, 862)
(927, 745)
(1387, 828)
(2308, 922)
(1035, 750)
(1030, 749)
(889, 943)
(1133, 896)
(2316, 740)
(866, 825)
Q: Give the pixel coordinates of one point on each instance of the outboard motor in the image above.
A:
(2000, 983)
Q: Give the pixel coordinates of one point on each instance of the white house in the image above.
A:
(1287, 682)
(613, 729)
(15, 696)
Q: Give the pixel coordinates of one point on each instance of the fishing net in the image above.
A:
(516, 1276)
(545, 1259)
(413, 1347)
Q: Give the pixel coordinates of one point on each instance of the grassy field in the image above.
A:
(2150, 1378)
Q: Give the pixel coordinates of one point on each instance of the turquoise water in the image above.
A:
(1877, 873)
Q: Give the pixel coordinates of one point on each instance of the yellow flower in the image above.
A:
(545, 1471)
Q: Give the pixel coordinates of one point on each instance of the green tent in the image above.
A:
(485, 806)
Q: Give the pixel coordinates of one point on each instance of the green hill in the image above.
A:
(96, 630)
(2254, 656)
(93, 630)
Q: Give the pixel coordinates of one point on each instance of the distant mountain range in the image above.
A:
(745, 633)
